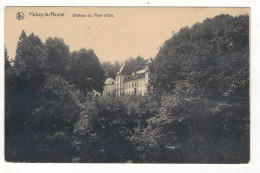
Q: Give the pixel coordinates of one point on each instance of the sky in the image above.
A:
(132, 31)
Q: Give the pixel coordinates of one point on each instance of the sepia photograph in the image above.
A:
(127, 85)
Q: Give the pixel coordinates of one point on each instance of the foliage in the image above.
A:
(206, 69)
(56, 95)
(29, 65)
(209, 54)
(41, 106)
(132, 65)
(57, 55)
(22, 82)
(101, 131)
(7, 61)
(85, 71)
(111, 69)
(135, 64)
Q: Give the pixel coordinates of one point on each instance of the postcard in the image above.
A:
(127, 85)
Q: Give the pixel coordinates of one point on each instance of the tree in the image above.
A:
(85, 71)
(102, 131)
(135, 64)
(206, 70)
(23, 81)
(56, 95)
(51, 124)
(57, 55)
(195, 55)
(29, 64)
(7, 61)
(132, 65)
(111, 69)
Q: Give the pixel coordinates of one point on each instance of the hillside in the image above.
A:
(209, 55)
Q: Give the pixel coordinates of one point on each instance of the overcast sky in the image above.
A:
(131, 32)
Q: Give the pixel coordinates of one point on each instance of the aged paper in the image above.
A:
(127, 85)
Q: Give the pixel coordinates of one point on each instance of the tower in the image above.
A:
(121, 74)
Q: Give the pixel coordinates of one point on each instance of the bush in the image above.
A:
(102, 130)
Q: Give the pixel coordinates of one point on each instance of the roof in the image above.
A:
(121, 69)
(124, 70)
(110, 81)
(139, 72)
(135, 76)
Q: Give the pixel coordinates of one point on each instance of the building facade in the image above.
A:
(109, 87)
(125, 84)
(136, 84)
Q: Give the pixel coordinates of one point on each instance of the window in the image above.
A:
(108, 93)
(135, 84)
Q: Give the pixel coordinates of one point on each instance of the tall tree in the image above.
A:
(111, 69)
(135, 64)
(57, 55)
(23, 81)
(86, 71)
(29, 64)
(7, 61)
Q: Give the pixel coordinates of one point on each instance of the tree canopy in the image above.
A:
(85, 70)
(110, 69)
(131, 65)
(57, 55)
(7, 61)
(209, 54)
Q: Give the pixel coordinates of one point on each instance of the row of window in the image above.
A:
(137, 92)
(134, 84)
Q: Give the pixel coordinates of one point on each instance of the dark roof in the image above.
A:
(124, 70)
(135, 76)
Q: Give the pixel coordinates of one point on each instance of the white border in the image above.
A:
(253, 166)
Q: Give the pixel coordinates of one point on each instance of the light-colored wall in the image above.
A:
(122, 88)
(109, 90)
(140, 85)
(146, 76)
(120, 85)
